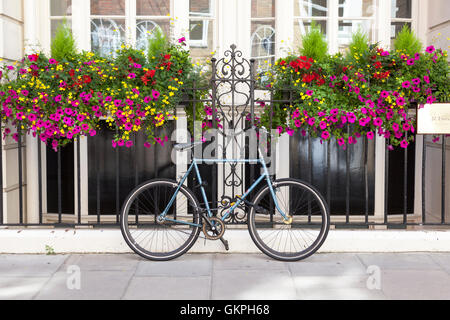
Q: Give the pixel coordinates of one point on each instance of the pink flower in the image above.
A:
(325, 135)
(426, 79)
(370, 135)
(129, 144)
(410, 62)
(131, 75)
(147, 99)
(341, 141)
(406, 84)
(430, 49)
(155, 94)
(52, 61)
(400, 101)
(404, 144)
(309, 92)
(92, 132)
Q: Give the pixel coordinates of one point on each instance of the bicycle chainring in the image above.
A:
(213, 234)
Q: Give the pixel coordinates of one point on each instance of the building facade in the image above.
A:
(93, 179)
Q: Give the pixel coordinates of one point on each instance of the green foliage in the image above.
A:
(49, 250)
(314, 44)
(157, 44)
(359, 44)
(407, 42)
(63, 45)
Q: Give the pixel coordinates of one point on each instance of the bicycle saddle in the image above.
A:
(186, 146)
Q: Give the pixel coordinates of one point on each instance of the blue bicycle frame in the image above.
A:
(194, 165)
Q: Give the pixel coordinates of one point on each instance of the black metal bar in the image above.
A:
(347, 180)
(39, 154)
(405, 185)
(97, 180)
(328, 174)
(443, 179)
(1, 173)
(19, 156)
(214, 186)
(136, 176)
(78, 182)
(366, 178)
(386, 183)
(59, 186)
(424, 159)
(309, 173)
(117, 182)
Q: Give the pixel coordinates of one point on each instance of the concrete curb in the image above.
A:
(111, 241)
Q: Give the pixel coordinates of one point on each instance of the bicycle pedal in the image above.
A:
(225, 243)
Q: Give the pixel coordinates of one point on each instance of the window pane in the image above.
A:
(356, 8)
(263, 8)
(263, 39)
(108, 7)
(401, 9)
(348, 27)
(145, 29)
(61, 7)
(54, 24)
(200, 7)
(152, 7)
(310, 8)
(107, 35)
(201, 39)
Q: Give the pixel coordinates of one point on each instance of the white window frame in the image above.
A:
(206, 19)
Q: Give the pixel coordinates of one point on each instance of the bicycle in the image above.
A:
(161, 219)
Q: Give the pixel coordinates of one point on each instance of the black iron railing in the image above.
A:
(345, 177)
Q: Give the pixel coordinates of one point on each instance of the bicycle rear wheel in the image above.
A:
(154, 239)
(289, 240)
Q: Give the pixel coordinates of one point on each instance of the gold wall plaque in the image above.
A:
(434, 119)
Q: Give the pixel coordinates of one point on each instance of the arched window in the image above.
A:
(263, 33)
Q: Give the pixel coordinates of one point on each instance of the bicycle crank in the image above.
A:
(213, 229)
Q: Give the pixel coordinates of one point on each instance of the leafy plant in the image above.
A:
(314, 44)
(49, 250)
(407, 42)
(359, 44)
(157, 44)
(63, 45)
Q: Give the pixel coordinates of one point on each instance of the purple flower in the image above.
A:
(400, 101)
(325, 135)
(406, 84)
(430, 49)
(404, 144)
(155, 94)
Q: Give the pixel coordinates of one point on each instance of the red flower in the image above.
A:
(282, 63)
(167, 56)
(72, 72)
(87, 79)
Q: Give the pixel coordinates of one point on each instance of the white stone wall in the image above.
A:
(11, 49)
(438, 33)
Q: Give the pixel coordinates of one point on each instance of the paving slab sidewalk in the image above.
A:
(226, 276)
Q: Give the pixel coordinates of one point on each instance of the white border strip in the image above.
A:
(111, 241)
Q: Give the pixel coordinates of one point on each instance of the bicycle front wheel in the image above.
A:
(157, 239)
(298, 237)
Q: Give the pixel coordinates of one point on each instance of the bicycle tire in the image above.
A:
(135, 197)
(260, 220)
